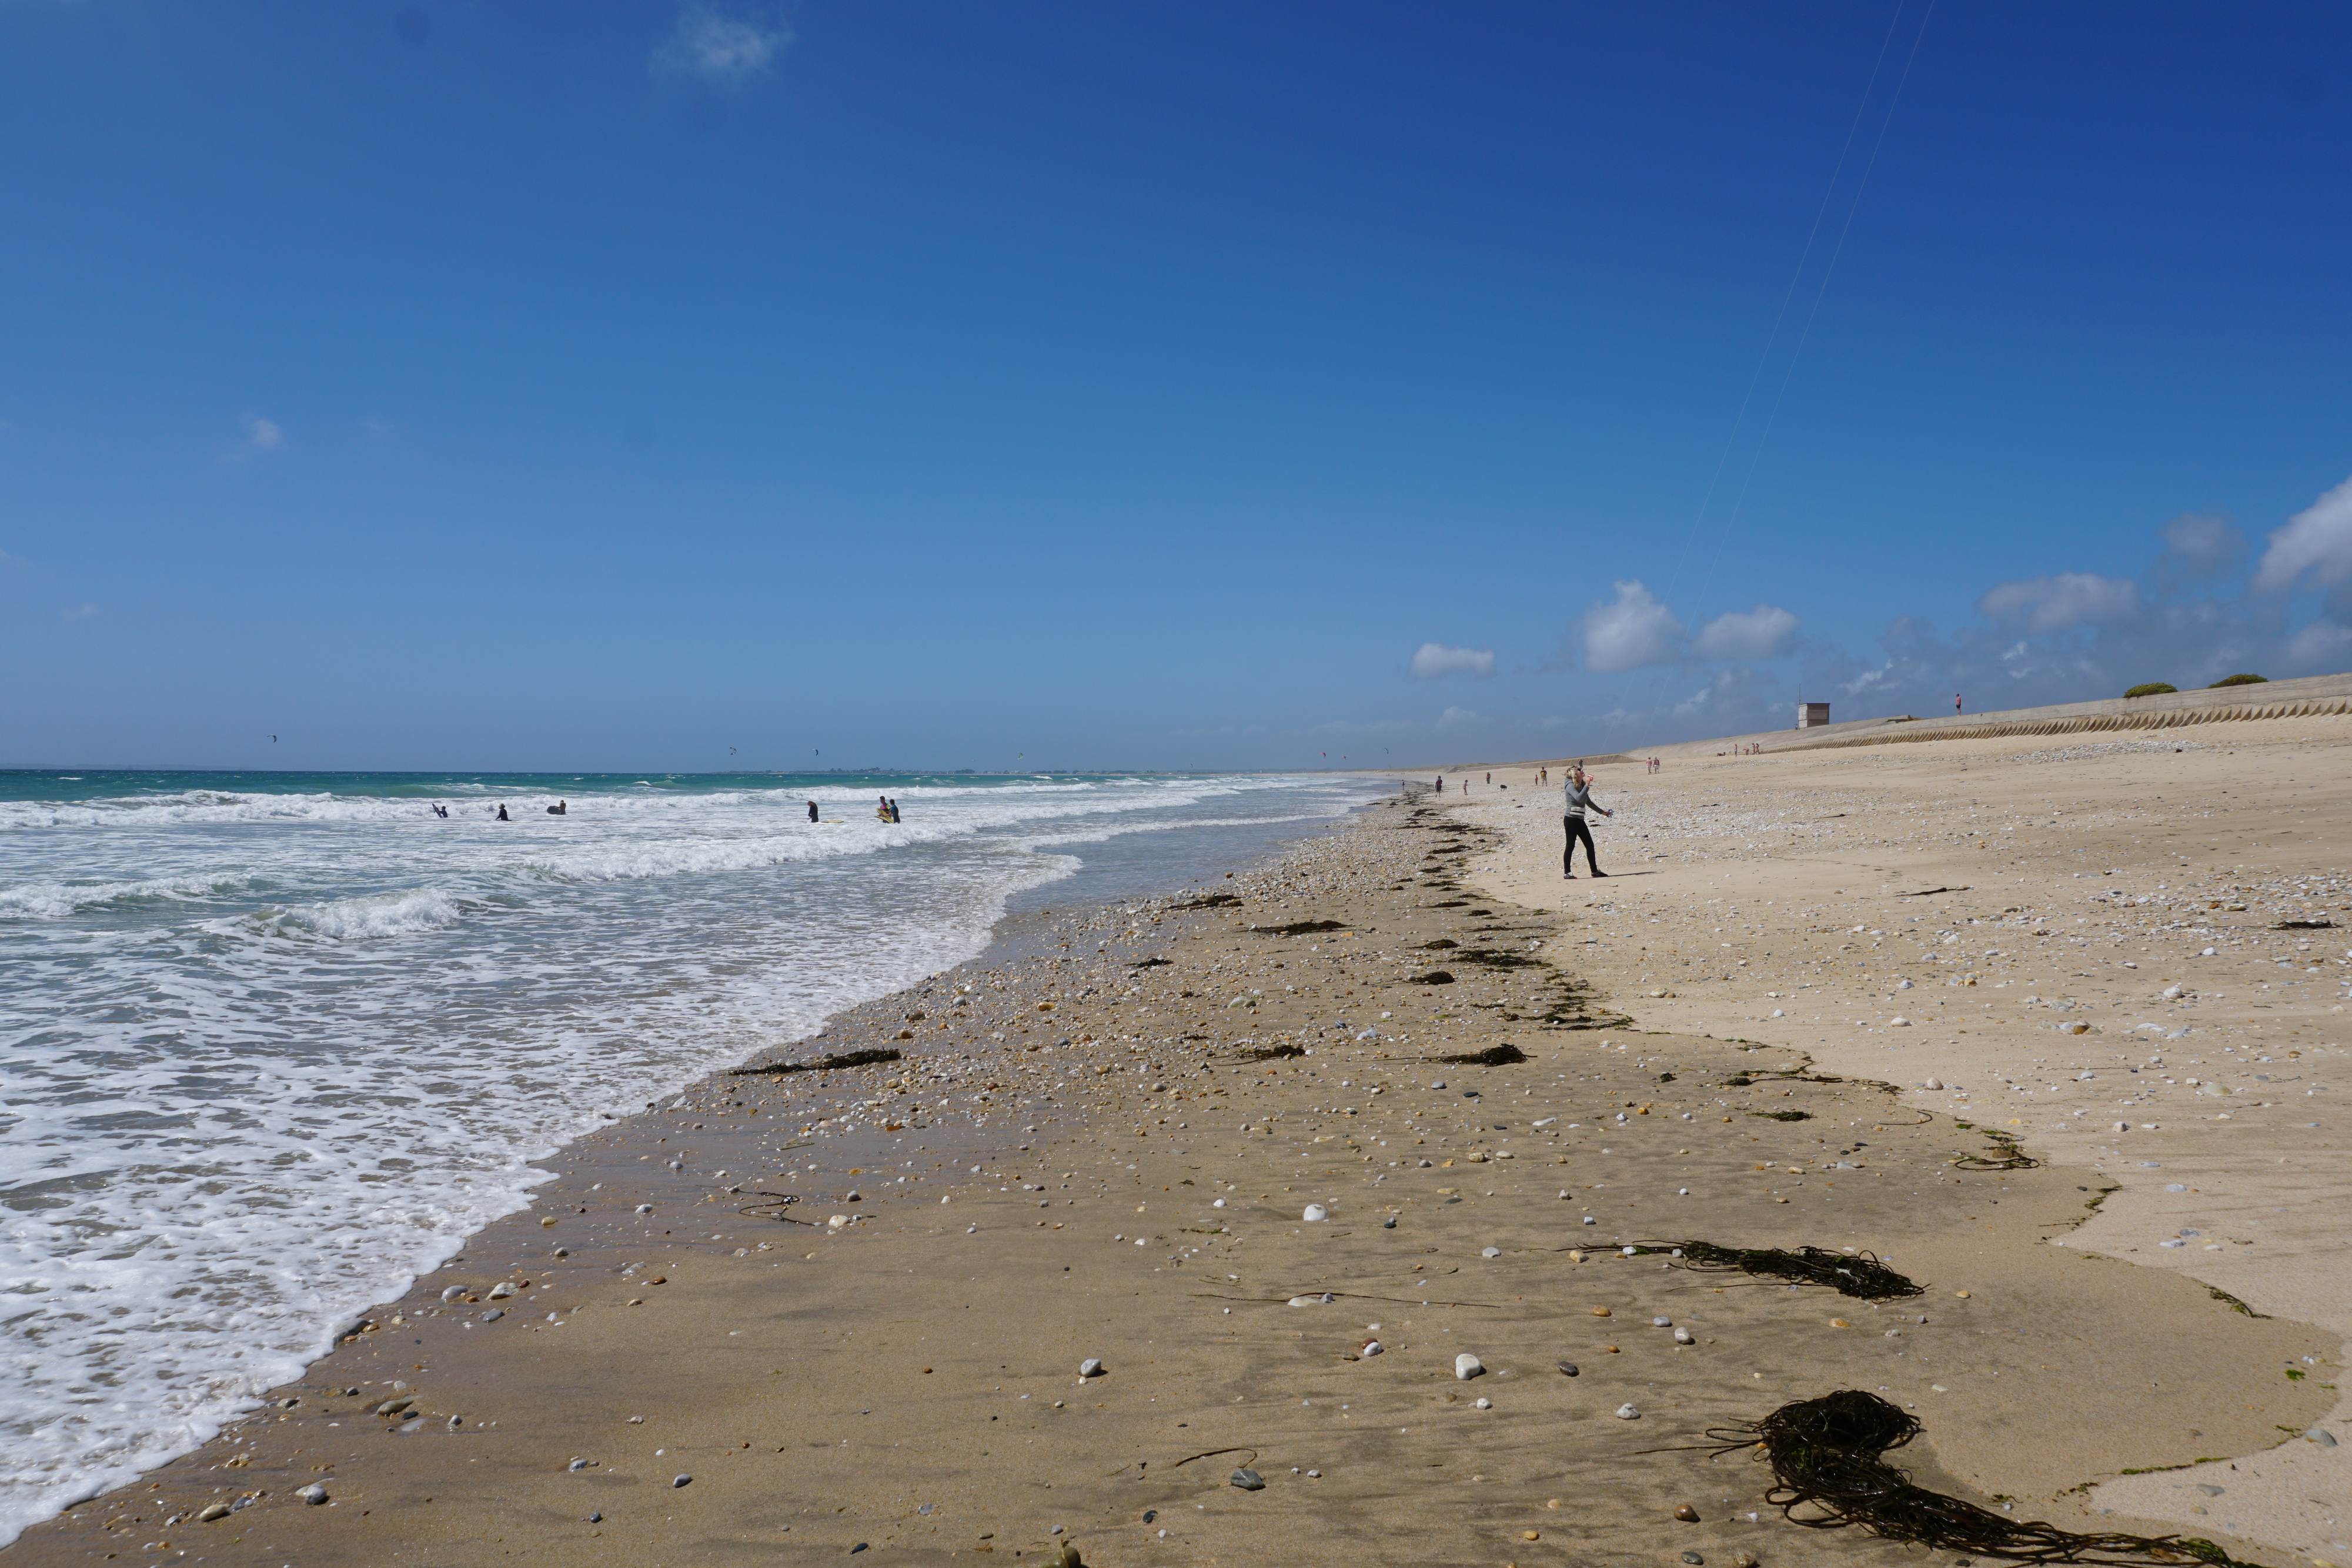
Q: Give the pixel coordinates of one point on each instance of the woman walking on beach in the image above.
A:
(1579, 796)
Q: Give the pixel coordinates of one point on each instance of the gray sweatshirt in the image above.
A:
(1579, 798)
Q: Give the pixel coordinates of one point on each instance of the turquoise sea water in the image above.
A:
(270, 1044)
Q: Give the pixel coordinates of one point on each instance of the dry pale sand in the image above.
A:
(1075, 1160)
(1762, 897)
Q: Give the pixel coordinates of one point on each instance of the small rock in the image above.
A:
(1602, 1313)
(1568, 1369)
(1662, 1323)
(1371, 1347)
(1248, 1481)
(1627, 1413)
(502, 1290)
(1684, 1336)
(1692, 1557)
(1686, 1513)
(681, 1480)
(1490, 1252)
(1484, 1405)
(1745, 1560)
(1316, 1213)
(456, 1422)
(577, 1465)
(644, 1209)
(494, 1314)
(2321, 1435)
(454, 1292)
(1898, 1022)
(1390, 1223)
(213, 1511)
(1090, 1367)
(596, 1519)
(1933, 1083)
(1467, 1366)
(313, 1494)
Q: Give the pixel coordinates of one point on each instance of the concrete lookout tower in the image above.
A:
(1812, 716)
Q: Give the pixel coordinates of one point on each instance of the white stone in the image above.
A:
(1372, 1347)
(1485, 1404)
(1090, 1367)
(1315, 1214)
(1898, 1022)
(1933, 1083)
(1467, 1366)
(1627, 1413)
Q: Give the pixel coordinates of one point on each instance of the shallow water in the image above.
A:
(276, 1043)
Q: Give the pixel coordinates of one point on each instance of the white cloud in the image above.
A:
(1634, 630)
(1457, 718)
(79, 612)
(2055, 603)
(2321, 646)
(2200, 544)
(2317, 539)
(1432, 660)
(726, 51)
(264, 433)
(1759, 633)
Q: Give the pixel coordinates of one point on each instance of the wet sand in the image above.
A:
(1075, 1159)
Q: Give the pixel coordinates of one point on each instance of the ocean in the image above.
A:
(276, 1043)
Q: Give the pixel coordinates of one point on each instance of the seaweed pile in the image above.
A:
(1493, 1056)
(821, 1064)
(1828, 1457)
(1856, 1274)
(2005, 1155)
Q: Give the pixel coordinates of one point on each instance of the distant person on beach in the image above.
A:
(894, 811)
(812, 810)
(882, 807)
(1441, 783)
(439, 810)
(502, 813)
(1580, 798)
(1955, 704)
(557, 809)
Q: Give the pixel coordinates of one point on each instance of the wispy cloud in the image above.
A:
(77, 612)
(720, 50)
(1457, 718)
(1432, 660)
(2057, 603)
(261, 435)
(1762, 632)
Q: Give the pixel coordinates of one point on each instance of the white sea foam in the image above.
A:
(272, 1055)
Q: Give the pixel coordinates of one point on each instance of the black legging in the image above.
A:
(1577, 830)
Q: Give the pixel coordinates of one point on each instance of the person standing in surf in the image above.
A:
(1579, 799)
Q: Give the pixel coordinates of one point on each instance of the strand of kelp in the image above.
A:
(1828, 1456)
(1857, 1274)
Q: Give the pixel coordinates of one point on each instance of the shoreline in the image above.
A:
(947, 1318)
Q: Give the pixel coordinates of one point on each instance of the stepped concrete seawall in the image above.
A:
(2312, 695)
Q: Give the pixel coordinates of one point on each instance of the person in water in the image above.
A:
(894, 812)
(812, 810)
(502, 812)
(439, 810)
(557, 809)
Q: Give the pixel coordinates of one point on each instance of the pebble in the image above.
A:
(1484, 1405)
(681, 1480)
(1467, 1366)
(1248, 1481)
(1372, 1347)
(1745, 1560)
(1568, 1369)
(502, 1290)
(577, 1465)
(2321, 1435)
(494, 1314)
(1390, 1223)
(1090, 1367)
(1933, 1083)
(1692, 1557)
(1600, 1313)
(1684, 1336)
(644, 1209)
(1686, 1513)
(1627, 1413)
(313, 1494)
(213, 1511)
(1898, 1022)
(1316, 1213)
(1490, 1252)
(1662, 1323)
(453, 1293)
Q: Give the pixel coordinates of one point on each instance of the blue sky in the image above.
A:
(452, 385)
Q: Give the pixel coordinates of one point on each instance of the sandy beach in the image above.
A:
(1084, 1157)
